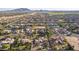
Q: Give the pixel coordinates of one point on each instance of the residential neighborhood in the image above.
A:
(39, 31)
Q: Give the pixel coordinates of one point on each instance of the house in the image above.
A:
(7, 41)
(7, 31)
(25, 40)
(55, 40)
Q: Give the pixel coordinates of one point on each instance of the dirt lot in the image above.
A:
(73, 41)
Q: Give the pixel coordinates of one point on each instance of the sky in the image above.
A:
(40, 4)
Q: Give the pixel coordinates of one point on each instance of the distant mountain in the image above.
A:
(19, 10)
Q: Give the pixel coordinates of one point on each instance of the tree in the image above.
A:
(6, 46)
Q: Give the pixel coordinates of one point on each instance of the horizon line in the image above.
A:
(49, 9)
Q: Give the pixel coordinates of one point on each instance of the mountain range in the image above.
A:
(18, 10)
(25, 10)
